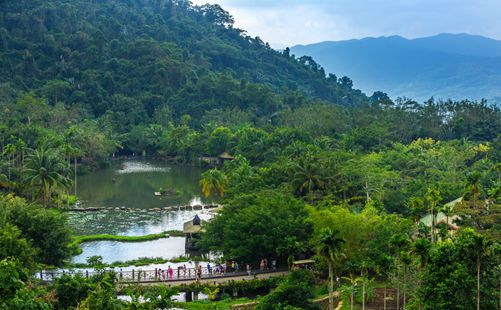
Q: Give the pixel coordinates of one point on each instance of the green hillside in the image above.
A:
(143, 56)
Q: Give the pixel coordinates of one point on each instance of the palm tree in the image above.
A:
(46, 170)
(480, 249)
(433, 198)
(214, 181)
(330, 246)
(406, 260)
(421, 248)
(447, 209)
(308, 176)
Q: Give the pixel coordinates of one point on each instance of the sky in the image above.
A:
(289, 22)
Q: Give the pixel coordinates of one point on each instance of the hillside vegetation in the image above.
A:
(320, 170)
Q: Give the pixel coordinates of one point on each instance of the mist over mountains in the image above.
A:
(456, 66)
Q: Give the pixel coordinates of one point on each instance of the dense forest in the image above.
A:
(315, 160)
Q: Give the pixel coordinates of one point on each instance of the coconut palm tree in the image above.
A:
(307, 177)
(330, 246)
(46, 170)
(214, 181)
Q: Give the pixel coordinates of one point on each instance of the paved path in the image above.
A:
(211, 280)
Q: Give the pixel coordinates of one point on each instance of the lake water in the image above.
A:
(131, 184)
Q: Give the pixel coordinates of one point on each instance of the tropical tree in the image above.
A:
(330, 246)
(477, 248)
(447, 209)
(308, 176)
(433, 197)
(214, 181)
(421, 248)
(46, 170)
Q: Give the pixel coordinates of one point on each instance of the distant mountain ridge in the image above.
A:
(457, 66)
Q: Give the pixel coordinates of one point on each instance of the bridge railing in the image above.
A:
(157, 275)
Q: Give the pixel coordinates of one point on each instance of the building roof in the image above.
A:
(226, 155)
(303, 262)
(193, 226)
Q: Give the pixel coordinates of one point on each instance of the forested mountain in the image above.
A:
(131, 59)
(445, 66)
(318, 167)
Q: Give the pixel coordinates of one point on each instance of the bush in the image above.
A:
(72, 289)
(294, 291)
(47, 230)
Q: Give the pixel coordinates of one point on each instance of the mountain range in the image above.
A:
(455, 66)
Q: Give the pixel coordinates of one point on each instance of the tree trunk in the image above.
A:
(404, 286)
(363, 295)
(432, 225)
(478, 283)
(384, 298)
(398, 295)
(367, 191)
(75, 172)
(331, 286)
(351, 297)
(46, 194)
(447, 221)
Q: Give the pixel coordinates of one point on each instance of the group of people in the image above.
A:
(218, 269)
(263, 264)
(162, 274)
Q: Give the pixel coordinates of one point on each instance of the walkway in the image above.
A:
(179, 277)
(214, 280)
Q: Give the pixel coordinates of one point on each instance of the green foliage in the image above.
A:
(293, 291)
(70, 290)
(214, 182)
(103, 296)
(12, 245)
(14, 293)
(252, 227)
(449, 279)
(46, 230)
(45, 171)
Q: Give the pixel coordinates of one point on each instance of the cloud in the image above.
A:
(289, 22)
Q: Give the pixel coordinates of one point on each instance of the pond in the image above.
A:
(131, 184)
(167, 248)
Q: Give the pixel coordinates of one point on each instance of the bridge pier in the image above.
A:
(188, 296)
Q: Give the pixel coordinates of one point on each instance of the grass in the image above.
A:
(175, 233)
(77, 240)
(206, 304)
(142, 261)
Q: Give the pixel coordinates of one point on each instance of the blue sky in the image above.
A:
(289, 22)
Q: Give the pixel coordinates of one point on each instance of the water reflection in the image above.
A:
(131, 223)
(133, 183)
(112, 251)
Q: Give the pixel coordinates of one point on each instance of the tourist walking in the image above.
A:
(274, 264)
(261, 265)
(248, 269)
(199, 272)
(171, 272)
